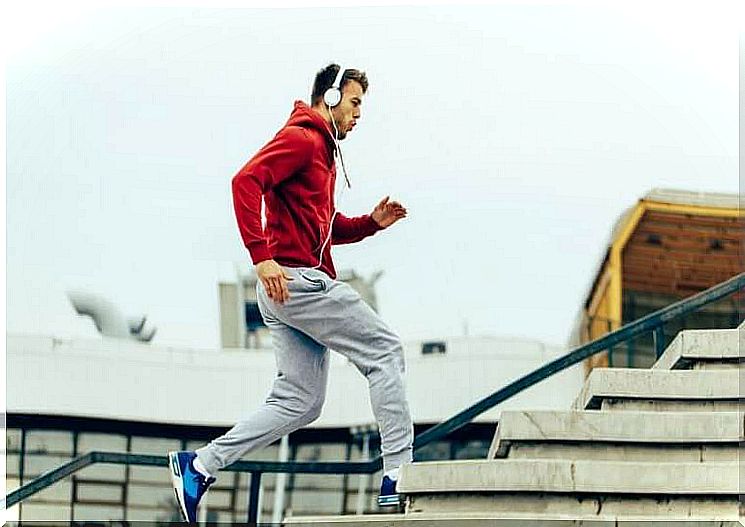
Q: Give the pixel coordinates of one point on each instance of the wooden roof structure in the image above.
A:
(671, 242)
(681, 243)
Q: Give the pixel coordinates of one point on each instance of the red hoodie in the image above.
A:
(296, 174)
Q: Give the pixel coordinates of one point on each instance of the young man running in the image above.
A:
(306, 309)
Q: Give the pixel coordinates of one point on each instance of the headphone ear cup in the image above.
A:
(332, 97)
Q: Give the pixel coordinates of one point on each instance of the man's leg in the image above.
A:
(295, 400)
(334, 314)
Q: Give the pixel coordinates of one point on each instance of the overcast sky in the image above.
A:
(515, 135)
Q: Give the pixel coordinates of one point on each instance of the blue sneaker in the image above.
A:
(388, 496)
(188, 484)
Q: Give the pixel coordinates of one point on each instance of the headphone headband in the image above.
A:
(332, 96)
(337, 80)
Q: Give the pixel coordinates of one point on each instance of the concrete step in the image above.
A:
(585, 508)
(567, 432)
(578, 489)
(570, 476)
(704, 349)
(671, 386)
(486, 520)
(670, 453)
(641, 405)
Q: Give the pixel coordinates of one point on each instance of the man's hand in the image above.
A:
(388, 212)
(274, 279)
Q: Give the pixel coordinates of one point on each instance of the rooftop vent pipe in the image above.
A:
(108, 318)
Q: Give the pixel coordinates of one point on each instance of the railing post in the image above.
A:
(281, 481)
(659, 341)
(253, 498)
(364, 479)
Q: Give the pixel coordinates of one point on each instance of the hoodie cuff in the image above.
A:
(372, 225)
(259, 252)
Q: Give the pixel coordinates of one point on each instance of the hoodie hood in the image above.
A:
(305, 117)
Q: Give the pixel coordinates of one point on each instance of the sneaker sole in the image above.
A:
(178, 483)
(389, 501)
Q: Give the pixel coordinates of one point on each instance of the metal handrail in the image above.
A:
(116, 458)
(652, 322)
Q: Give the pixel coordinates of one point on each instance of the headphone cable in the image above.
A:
(346, 178)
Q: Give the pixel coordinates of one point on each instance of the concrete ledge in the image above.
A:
(614, 427)
(681, 385)
(349, 520)
(586, 508)
(485, 520)
(567, 476)
(702, 348)
(669, 453)
(641, 405)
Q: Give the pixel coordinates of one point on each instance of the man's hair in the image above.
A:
(326, 77)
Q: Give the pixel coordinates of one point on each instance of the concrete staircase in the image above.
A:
(638, 447)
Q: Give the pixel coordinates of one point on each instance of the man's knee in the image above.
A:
(387, 358)
(393, 349)
(312, 411)
(296, 398)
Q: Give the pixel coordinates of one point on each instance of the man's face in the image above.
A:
(348, 110)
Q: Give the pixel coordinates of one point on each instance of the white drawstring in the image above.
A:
(346, 178)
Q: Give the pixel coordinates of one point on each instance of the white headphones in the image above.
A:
(332, 96)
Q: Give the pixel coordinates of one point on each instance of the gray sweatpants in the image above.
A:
(321, 313)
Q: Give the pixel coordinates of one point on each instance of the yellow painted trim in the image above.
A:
(615, 288)
(634, 218)
(600, 290)
(615, 293)
(692, 209)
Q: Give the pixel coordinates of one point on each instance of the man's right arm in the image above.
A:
(279, 159)
(288, 152)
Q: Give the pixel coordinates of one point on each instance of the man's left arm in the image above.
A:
(350, 230)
